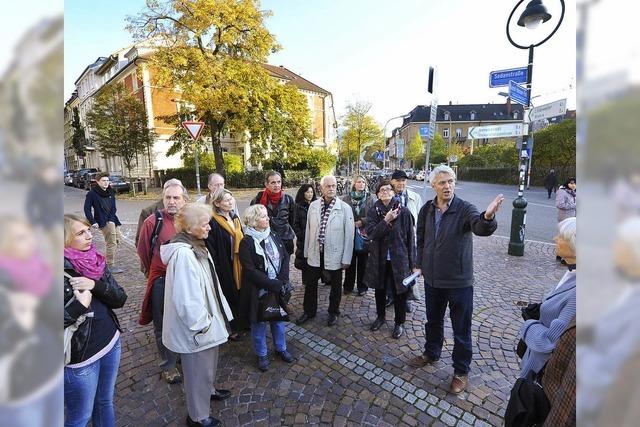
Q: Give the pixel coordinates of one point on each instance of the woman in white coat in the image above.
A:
(196, 314)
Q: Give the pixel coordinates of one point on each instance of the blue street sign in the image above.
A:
(518, 93)
(379, 156)
(424, 132)
(502, 77)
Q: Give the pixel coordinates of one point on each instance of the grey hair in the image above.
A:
(324, 179)
(219, 194)
(190, 215)
(251, 214)
(567, 232)
(213, 175)
(441, 169)
(174, 182)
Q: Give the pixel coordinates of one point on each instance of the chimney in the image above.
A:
(450, 103)
(508, 106)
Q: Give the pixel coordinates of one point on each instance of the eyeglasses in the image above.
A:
(385, 190)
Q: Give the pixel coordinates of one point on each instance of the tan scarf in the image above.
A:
(236, 236)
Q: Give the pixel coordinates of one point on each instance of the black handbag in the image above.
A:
(528, 405)
(531, 311)
(269, 308)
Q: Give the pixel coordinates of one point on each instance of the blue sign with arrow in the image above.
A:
(424, 132)
(502, 77)
(518, 93)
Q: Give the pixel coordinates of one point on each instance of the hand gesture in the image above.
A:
(392, 215)
(84, 297)
(82, 283)
(493, 207)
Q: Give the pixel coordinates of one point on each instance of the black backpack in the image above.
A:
(156, 231)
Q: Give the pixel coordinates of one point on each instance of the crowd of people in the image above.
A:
(214, 275)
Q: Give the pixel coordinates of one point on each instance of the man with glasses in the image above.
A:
(328, 248)
(101, 199)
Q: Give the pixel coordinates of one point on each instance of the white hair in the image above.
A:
(441, 169)
(324, 179)
(567, 232)
(174, 182)
(251, 215)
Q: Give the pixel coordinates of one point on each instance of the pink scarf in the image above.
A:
(89, 263)
(31, 275)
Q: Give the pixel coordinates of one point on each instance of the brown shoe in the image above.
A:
(458, 383)
(421, 361)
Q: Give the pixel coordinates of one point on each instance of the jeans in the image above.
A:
(310, 303)
(356, 269)
(112, 237)
(259, 337)
(460, 302)
(399, 300)
(167, 357)
(88, 391)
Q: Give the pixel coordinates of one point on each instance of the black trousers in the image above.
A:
(310, 280)
(399, 300)
(355, 272)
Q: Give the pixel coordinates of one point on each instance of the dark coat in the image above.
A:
(559, 380)
(106, 291)
(99, 215)
(300, 228)
(396, 237)
(281, 218)
(254, 273)
(220, 247)
(550, 181)
(447, 262)
(368, 203)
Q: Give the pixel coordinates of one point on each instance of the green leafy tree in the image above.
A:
(415, 150)
(78, 139)
(438, 150)
(118, 123)
(555, 145)
(213, 50)
(362, 131)
(207, 162)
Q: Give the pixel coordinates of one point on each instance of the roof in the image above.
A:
(462, 112)
(286, 74)
(95, 63)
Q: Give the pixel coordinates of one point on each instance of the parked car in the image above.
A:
(78, 179)
(419, 176)
(119, 183)
(68, 177)
(411, 174)
(90, 180)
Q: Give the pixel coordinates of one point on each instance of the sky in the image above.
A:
(375, 51)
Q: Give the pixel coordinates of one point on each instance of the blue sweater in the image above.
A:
(556, 312)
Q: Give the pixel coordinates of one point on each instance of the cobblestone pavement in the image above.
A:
(347, 375)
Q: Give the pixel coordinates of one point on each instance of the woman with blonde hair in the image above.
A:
(90, 295)
(223, 244)
(196, 312)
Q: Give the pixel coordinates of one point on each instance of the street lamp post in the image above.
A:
(450, 130)
(534, 14)
(384, 136)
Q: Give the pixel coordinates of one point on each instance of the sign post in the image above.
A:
(519, 94)
(498, 131)
(546, 111)
(194, 129)
(501, 78)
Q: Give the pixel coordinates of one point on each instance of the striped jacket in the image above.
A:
(556, 312)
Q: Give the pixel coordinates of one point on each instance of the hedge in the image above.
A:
(509, 175)
(247, 179)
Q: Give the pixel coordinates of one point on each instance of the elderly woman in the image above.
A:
(265, 267)
(361, 202)
(566, 200)
(195, 311)
(90, 296)
(392, 254)
(557, 309)
(223, 244)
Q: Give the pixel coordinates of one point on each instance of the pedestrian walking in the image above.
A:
(328, 247)
(214, 182)
(100, 210)
(157, 229)
(223, 244)
(551, 182)
(92, 330)
(360, 201)
(265, 264)
(305, 195)
(280, 207)
(196, 312)
(445, 255)
(566, 200)
(392, 255)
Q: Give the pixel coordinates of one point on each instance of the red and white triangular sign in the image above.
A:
(194, 128)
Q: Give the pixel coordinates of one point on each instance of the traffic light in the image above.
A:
(432, 77)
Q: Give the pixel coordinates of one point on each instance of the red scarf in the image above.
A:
(272, 198)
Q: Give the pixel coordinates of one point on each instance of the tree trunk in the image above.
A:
(216, 145)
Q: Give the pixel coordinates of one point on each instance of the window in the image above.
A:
(473, 115)
(445, 133)
(446, 116)
(515, 115)
(458, 133)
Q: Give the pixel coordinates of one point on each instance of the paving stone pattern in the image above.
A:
(347, 375)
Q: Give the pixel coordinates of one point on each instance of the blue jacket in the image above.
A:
(556, 312)
(100, 215)
(447, 261)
